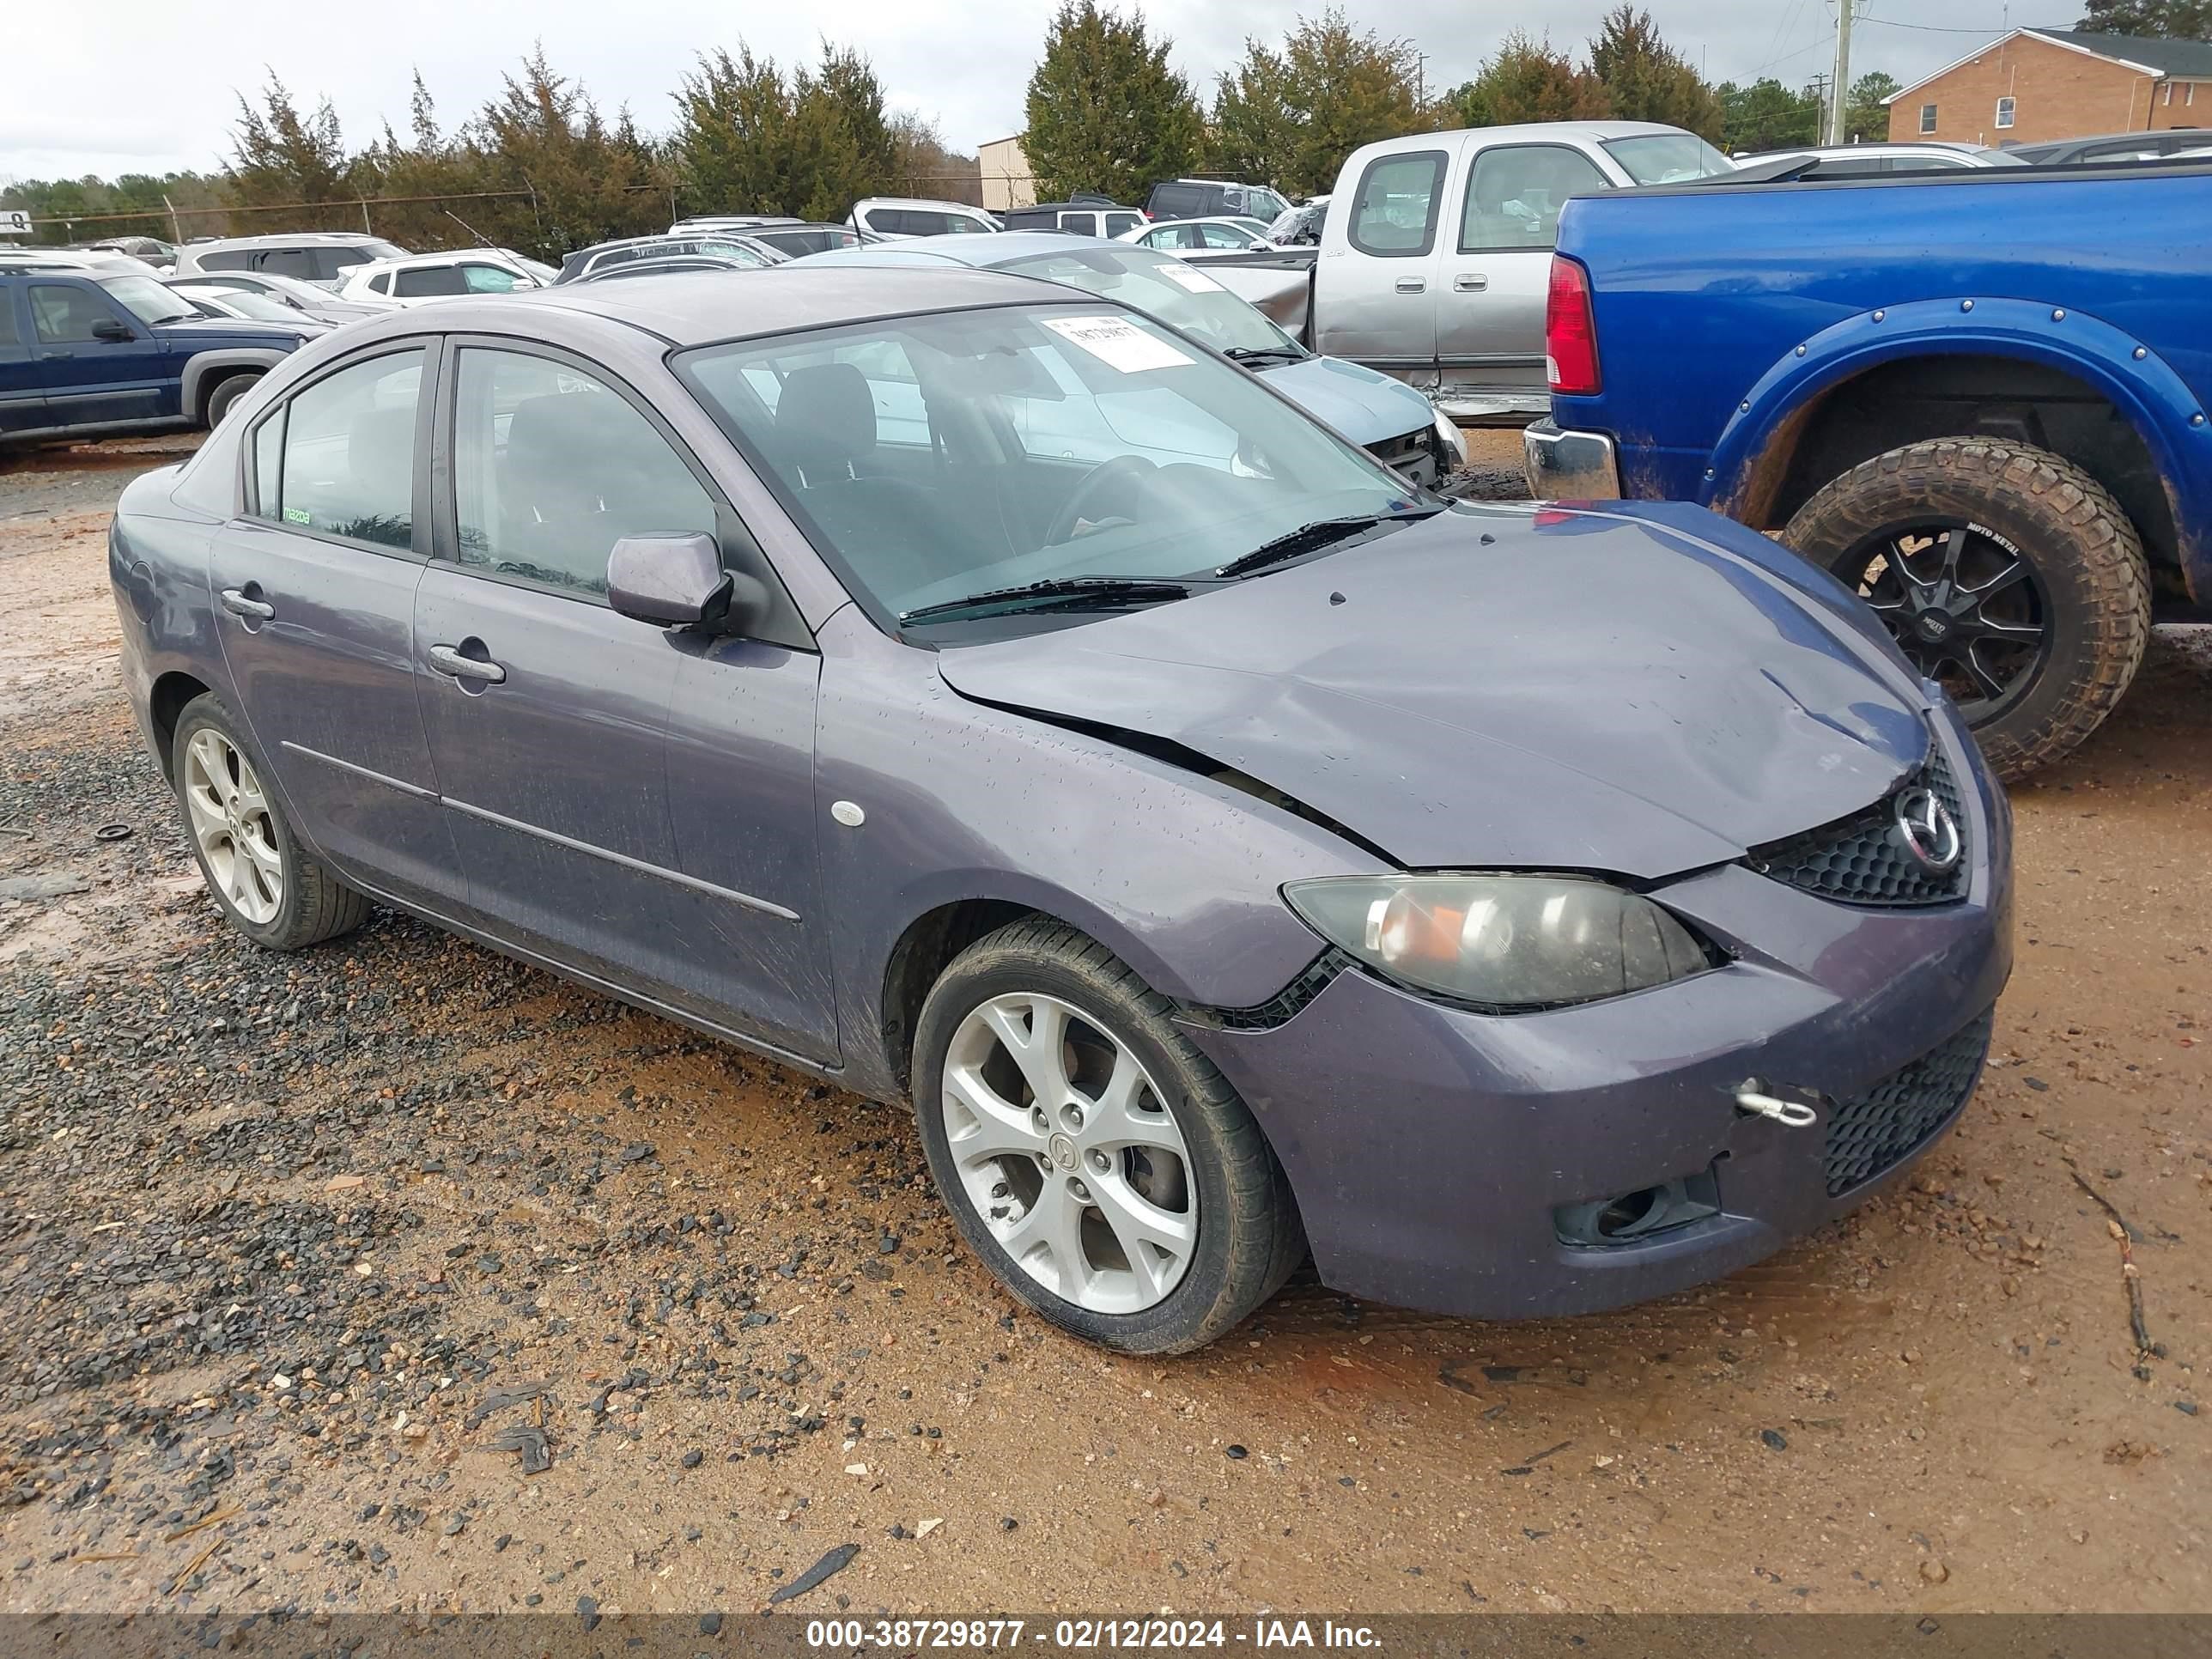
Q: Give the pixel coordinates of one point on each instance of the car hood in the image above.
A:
(205, 330)
(1506, 688)
(1365, 406)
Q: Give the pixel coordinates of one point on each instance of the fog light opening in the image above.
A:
(1632, 1218)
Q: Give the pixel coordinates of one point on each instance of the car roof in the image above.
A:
(286, 238)
(700, 308)
(961, 249)
(917, 202)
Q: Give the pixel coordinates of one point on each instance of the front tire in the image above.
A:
(1094, 1158)
(265, 884)
(2005, 573)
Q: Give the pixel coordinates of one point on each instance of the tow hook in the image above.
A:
(1790, 1114)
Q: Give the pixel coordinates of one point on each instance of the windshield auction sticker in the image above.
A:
(1196, 280)
(1117, 342)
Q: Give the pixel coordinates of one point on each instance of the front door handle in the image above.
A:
(1412, 284)
(447, 660)
(1470, 281)
(239, 603)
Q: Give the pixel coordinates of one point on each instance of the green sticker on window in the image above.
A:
(298, 515)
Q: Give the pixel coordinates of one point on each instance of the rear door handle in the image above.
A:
(1469, 281)
(1412, 284)
(239, 605)
(447, 660)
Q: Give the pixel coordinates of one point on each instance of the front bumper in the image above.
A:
(1433, 1151)
(1570, 467)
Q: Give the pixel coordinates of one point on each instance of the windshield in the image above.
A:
(1181, 296)
(245, 303)
(935, 457)
(148, 300)
(1667, 158)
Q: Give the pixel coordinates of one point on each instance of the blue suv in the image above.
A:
(86, 353)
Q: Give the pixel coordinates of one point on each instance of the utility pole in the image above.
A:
(1839, 91)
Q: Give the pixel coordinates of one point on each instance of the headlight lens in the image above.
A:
(1504, 942)
(1454, 441)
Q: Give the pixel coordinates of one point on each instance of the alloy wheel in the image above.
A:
(231, 821)
(1965, 606)
(1069, 1153)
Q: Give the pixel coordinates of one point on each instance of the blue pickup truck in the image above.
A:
(91, 353)
(1978, 398)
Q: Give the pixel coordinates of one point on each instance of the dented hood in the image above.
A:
(1506, 688)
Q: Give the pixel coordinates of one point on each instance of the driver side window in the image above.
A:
(552, 467)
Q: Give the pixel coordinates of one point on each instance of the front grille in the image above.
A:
(1863, 859)
(1871, 1132)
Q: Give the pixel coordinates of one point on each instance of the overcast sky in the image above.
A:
(145, 85)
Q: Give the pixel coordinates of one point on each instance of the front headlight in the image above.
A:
(1454, 442)
(1502, 942)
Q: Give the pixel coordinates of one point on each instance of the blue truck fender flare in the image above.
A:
(213, 365)
(2139, 383)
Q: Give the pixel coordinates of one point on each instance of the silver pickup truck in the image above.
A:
(1435, 254)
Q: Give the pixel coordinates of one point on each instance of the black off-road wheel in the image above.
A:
(268, 886)
(2004, 572)
(1090, 1154)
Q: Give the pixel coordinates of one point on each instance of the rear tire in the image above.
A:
(2006, 572)
(264, 882)
(1181, 1161)
(225, 393)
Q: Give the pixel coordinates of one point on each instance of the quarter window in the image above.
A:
(2005, 109)
(552, 467)
(1393, 216)
(349, 448)
(1927, 117)
(1514, 195)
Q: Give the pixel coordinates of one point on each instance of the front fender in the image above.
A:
(203, 367)
(2139, 383)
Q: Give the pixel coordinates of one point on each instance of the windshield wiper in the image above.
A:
(1308, 537)
(1059, 594)
(1264, 354)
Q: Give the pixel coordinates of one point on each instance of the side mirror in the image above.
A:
(677, 582)
(108, 328)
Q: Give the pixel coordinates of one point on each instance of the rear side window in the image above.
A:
(551, 469)
(349, 453)
(1515, 193)
(1119, 224)
(10, 335)
(1394, 212)
(381, 284)
(489, 279)
(427, 280)
(1177, 201)
(328, 264)
(287, 262)
(234, 258)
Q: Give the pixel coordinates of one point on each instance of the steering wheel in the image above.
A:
(1122, 473)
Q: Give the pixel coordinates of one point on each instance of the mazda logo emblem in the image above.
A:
(1930, 834)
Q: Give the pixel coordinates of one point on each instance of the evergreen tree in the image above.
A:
(1255, 134)
(1347, 87)
(1767, 115)
(2178, 19)
(1105, 111)
(279, 156)
(1528, 80)
(1865, 113)
(1647, 80)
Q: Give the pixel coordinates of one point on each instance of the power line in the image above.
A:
(1928, 28)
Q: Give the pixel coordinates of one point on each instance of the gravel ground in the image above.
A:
(394, 1275)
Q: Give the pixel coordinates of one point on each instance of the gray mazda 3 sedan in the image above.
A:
(978, 694)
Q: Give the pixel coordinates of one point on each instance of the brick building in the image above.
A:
(2037, 84)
